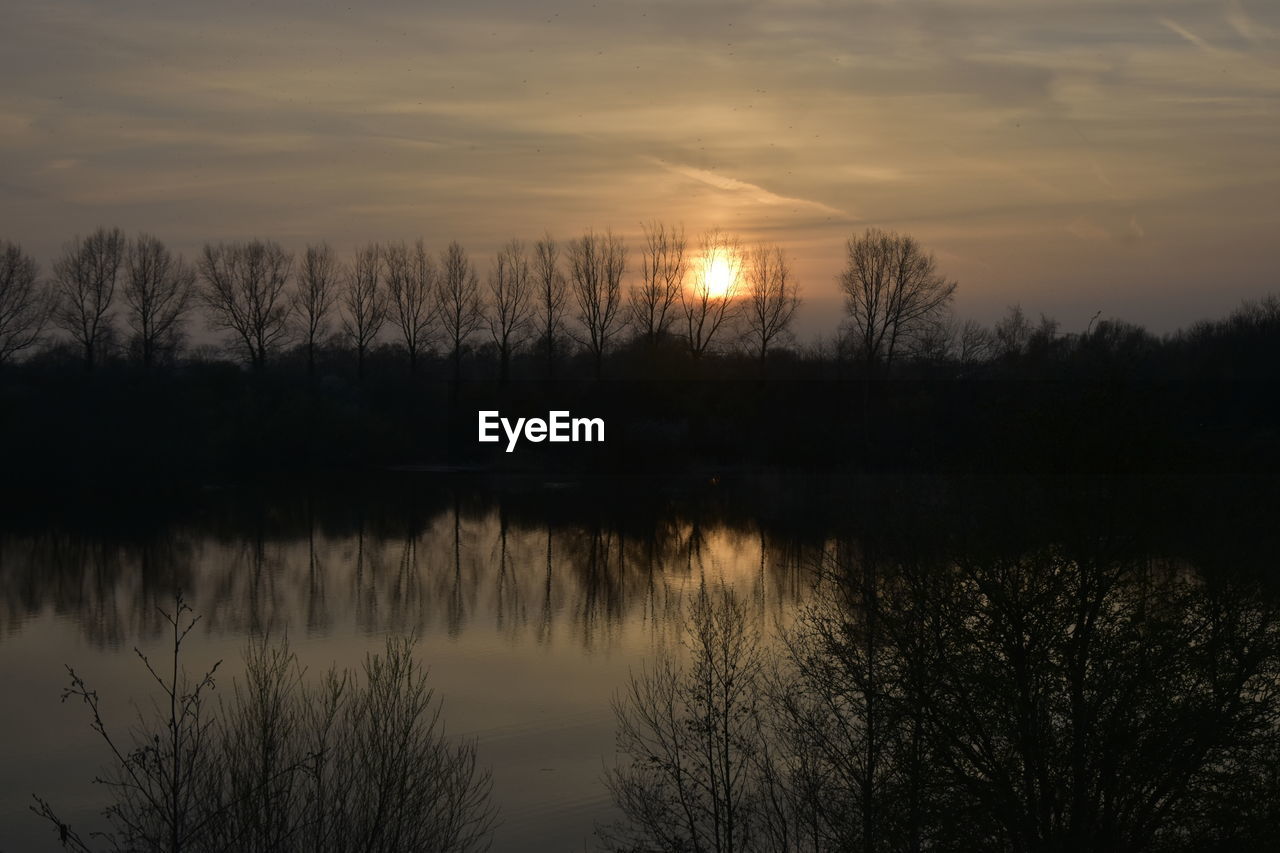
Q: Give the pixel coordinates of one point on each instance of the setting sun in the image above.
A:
(720, 276)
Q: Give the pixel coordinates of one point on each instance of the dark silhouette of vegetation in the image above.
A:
(553, 293)
(909, 386)
(315, 297)
(772, 298)
(246, 294)
(596, 265)
(1043, 703)
(86, 274)
(892, 291)
(355, 762)
(510, 303)
(653, 301)
(411, 286)
(693, 737)
(461, 307)
(710, 306)
(25, 305)
(364, 302)
(158, 289)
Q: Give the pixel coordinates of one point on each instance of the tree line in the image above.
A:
(545, 296)
(545, 302)
(110, 294)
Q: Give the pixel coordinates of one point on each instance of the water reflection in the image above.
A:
(536, 602)
(440, 561)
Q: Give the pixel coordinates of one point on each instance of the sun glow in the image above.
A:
(719, 277)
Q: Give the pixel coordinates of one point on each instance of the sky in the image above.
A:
(1072, 156)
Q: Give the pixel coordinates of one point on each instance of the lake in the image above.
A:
(533, 600)
(532, 603)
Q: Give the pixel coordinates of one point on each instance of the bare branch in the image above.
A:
(25, 306)
(596, 265)
(85, 275)
(511, 302)
(651, 304)
(772, 297)
(244, 291)
(364, 302)
(158, 288)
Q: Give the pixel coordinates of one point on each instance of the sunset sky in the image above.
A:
(1070, 155)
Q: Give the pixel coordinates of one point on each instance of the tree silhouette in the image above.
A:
(316, 295)
(157, 290)
(707, 310)
(510, 303)
(86, 275)
(690, 737)
(772, 297)
(652, 303)
(245, 292)
(411, 286)
(551, 297)
(892, 289)
(357, 761)
(1039, 703)
(596, 265)
(364, 301)
(461, 309)
(24, 305)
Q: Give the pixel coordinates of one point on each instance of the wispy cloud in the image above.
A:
(744, 190)
(962, 121)
(1187, 34)
(1244, 24)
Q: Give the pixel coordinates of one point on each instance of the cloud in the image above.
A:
(1245, 25)
(744, 190)
(984, 127)
(1188, 35)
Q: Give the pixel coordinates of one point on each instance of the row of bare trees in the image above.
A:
(263, 296)
(156, 286)
(705, 297)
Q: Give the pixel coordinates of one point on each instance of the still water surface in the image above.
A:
(531, 607)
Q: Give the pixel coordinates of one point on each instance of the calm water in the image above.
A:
(532, 605)
(532, 600)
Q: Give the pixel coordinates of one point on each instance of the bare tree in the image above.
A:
(691, 740)
(552, 293)
(245, 292)
(364, 302)
(651, 304)
(596, 265)
(157, 289)
(711, 302)
(357, 761)
(892, 289)
(944, 339)
(974, 343)
(511, 306)
(85, 276)
(24, 304)
(772, 297)
(156, 775)
(315, 296)
(411, 284)
(1012, 333)
(936, 340)
(461, 311)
